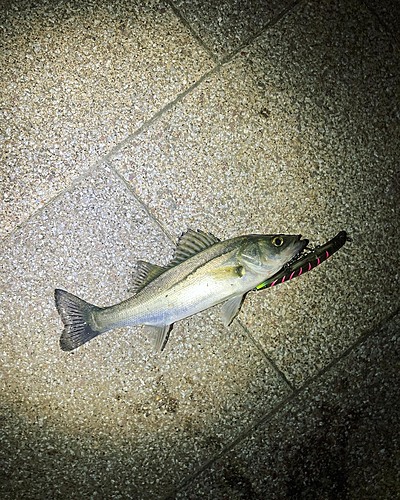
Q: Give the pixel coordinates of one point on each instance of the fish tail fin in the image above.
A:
(77, 316)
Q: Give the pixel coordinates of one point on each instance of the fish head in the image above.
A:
(266, 254)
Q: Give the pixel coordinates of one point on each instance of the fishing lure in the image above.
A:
(306, 262)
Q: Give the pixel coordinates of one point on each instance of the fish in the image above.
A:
(203, 272)
(303, 265)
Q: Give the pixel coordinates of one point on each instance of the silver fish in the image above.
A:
(204, 272)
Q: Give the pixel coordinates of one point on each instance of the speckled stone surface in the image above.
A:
(263, 145)
(225, 26)
(115, 394)
(349, 132)
(388, 13)
(339, 438)
(225, 160)
(123, 124)
(77, 79)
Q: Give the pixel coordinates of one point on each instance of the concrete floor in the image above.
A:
(123, 125)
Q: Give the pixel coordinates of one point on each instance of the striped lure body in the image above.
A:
(306, 262)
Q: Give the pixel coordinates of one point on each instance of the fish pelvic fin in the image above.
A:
(77, 316)
(230, 309)
(159, 336)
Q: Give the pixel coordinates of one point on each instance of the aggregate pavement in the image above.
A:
(123, 124)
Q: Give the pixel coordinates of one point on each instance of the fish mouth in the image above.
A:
(301, 246)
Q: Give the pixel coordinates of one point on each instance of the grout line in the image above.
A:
(386, 27)
(149, 213)
(146, 125)
(269, 360)
(107, 159)
(114, 151)
(226, 449)
(71, 184)
(194, 34)
(374, 330)
(252, 38)
(263, 420)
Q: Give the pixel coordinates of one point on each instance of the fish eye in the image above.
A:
(277, 241)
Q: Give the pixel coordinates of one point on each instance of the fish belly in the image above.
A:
(171, 305)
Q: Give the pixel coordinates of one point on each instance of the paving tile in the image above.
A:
(77, 78)
(338, 439)
(273, 144)
(226, 26)
(299, 133)
(350, 72)
(216, 163)
(348, 85)
(388, 12)
(128, 421)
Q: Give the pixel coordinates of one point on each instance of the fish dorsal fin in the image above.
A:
(145, 272)
(191, 243)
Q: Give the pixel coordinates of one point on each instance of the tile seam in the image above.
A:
(264, 419)
(381, 22)
(108, 157)
(181, 18)
(118, 148)
(144, 206)
(267, 358)
(370, 333)
(66, 189)
(252, 38)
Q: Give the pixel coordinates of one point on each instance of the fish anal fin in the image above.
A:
(159, 335)
(230, 308)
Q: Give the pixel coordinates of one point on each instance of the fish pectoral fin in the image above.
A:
(159, 335)
(230, 308)
(228, 272)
